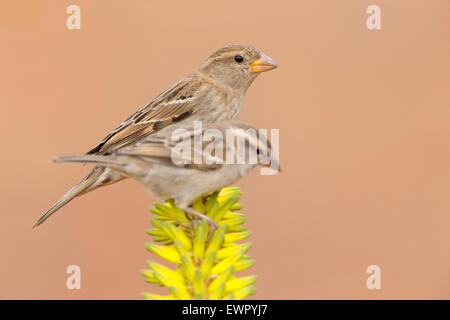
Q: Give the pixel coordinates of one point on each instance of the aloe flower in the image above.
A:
(203, 269)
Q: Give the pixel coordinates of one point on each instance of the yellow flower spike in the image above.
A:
(202, 269)
(156, 211)
(179, 235)
(230, 297)
(231, 250)
(244, 292)
(165, 275)
(178, 213)
(186, 261)
(225, 264)
(156, 233)
(188, 267)
(226, 196)
(236, 229)
(208, 264)
(149, 276)
(218, 293)
(222, 278)
(217, 240)
(163, 218)
(231, 215)
(165, 211)
(233, 221)
(161, 228)
(212, 199)
(222, 200)
(151, 296)
(213, 210)
(162, 239)
(161, 212)
(218, 205)
(198, 284)
(180, 249)
(239, 283)
(166, 252)
(162, 234)
(237, 236)
(236, 206)
(244, 264)
(224, 208)
(198, 205)
(179, 294)
(200, 232)
(230, 190)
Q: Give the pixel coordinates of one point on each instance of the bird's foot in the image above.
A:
(198, 216)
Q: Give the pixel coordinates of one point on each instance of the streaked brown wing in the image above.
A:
(172, 105)
(160, 150)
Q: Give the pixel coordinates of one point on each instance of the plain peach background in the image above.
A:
(364, 133)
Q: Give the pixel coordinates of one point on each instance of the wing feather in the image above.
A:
(172, 105)
(161, 150)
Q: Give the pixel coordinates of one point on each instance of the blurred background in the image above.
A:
(364, 141)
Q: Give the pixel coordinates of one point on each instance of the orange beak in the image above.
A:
(265, 63)
(273, 163)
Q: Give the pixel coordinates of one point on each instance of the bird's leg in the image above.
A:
(198, 215)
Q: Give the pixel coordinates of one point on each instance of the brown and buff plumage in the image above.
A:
(212, 94)
(151, 162)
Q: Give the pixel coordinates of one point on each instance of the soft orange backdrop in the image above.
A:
(364, 131)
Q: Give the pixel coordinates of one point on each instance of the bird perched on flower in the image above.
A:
(214, 93)
(189, 163)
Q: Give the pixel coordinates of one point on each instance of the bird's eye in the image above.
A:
(238, 59)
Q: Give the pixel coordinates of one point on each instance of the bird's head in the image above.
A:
(237, 65)
(250, 145)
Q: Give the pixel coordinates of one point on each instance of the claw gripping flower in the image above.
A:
(204, 269)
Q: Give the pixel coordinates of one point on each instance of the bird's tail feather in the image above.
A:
(89, 183)
(109, 161)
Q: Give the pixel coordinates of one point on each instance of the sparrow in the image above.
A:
(169, 172)
(214, 93)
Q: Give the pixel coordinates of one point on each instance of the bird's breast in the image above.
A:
(220, 107)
